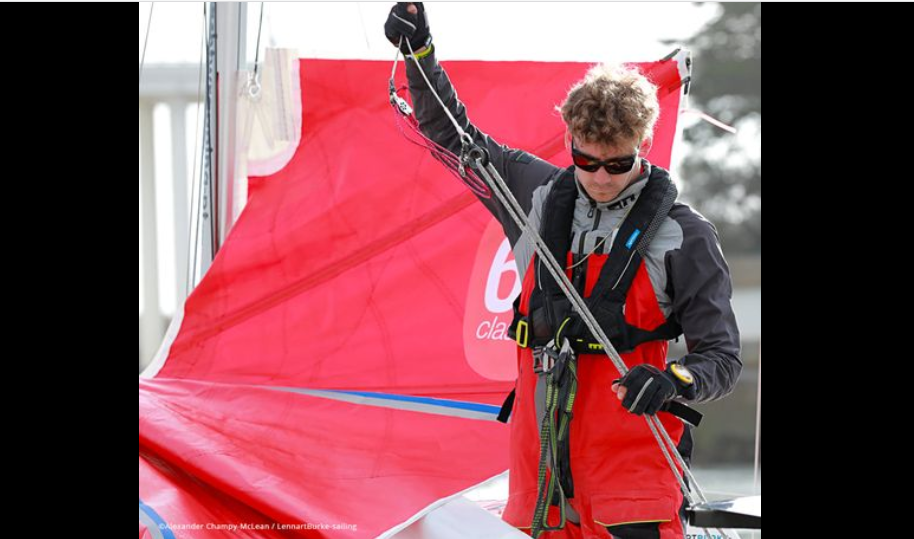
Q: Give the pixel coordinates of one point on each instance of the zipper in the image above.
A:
(579, 271)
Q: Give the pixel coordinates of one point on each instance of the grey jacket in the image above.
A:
(684, 261)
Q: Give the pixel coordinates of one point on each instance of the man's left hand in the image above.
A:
(645, 389)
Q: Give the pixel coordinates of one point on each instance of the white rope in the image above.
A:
(146, 41)
(497, 185)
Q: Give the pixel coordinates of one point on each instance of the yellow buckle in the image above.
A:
(523, 333)
(591, 347)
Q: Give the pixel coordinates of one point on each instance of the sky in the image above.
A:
(583, 31)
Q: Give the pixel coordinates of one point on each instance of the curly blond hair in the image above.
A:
(611, 105)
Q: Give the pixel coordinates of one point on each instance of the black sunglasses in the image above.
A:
(589, 163)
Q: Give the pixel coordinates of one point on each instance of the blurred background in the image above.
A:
(719, 173)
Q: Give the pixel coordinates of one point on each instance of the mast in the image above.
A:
(215, 209)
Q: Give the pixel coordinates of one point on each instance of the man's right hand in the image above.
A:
(407, 20)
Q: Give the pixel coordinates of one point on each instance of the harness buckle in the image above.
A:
(543, 362)
(523, 334)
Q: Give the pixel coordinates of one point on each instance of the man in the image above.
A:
(645, 286)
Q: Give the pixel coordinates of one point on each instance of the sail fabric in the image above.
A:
(338, 370)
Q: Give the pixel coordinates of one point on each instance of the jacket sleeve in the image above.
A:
(701, 290)
(522, 171)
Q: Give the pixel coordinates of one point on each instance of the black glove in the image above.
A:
(649, 389)
(413, 28)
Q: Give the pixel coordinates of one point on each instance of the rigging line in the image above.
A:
(657, 429)
(257, 49)
(497, 185)
(727, 494)
(358, 6)
(196, 173)
(146, 41)
(463, 135)
(210, 123)
(205, 197)
(393, 71)
(404, 115)
(758, 429)
(500, 189)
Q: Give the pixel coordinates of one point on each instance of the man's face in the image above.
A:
(601, 185)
